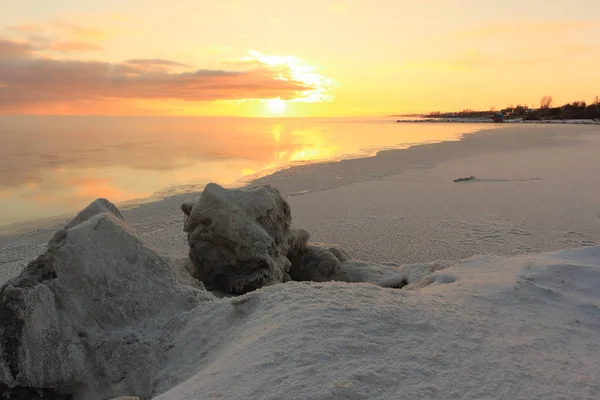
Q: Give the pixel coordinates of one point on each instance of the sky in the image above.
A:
(282, 58)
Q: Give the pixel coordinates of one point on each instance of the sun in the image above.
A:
(276, 106)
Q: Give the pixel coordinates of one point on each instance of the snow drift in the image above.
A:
(485, 328)
(101, 314)
(94, 315)
(84, 318)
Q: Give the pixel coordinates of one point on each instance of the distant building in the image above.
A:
(498, 117)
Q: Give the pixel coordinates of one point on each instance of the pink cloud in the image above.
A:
(14, 49)
(26, 79)
(81, 32)
(74, 45)
(154, 63)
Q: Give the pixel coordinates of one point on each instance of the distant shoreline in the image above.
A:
(507, 121)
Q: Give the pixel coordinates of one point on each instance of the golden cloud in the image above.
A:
(81, 32)
(294, 69)
(75, 45)
(29, 80)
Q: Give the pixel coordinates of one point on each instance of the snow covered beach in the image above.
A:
(503, 324)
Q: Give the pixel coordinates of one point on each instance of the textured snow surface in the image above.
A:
(94, 314)
(102, 314)
(526, 327)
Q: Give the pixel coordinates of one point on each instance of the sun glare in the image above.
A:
(276, 106)
(297, 70)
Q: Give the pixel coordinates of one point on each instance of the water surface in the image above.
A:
(55, 165)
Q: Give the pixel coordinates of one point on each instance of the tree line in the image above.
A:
(546, 111)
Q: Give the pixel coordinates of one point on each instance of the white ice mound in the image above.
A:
(89, 316)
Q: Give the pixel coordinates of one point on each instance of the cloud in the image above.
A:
(28, 79)
(59, 37)
(75, 45)
(52, 38)
(14, 49)
(81, 32)
(38, 43)
(290, 68)
(154, 63)
(34, 75)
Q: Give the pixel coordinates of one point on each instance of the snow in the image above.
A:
(82, 317)
(524, 327)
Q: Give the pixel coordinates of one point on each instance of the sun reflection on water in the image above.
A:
(59, 165)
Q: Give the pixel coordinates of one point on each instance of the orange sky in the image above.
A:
(309, 58)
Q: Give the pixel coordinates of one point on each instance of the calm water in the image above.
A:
(55, 165)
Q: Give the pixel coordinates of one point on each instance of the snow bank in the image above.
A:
(485, 328)
(95, 314)
(101, 314)
(92, 316)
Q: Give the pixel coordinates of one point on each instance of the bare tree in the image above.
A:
(597, 100)
(546, 102)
